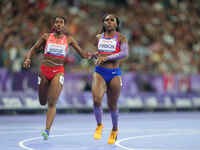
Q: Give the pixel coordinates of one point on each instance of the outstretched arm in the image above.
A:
(33, 50)
(78, 49)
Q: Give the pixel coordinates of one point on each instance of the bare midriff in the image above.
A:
(110, 63)
(52, 61)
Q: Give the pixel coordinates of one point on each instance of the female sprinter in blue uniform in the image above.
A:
(112, 46)
(51, 77)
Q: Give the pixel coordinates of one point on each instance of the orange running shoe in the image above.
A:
(98, 132)
(113, 137)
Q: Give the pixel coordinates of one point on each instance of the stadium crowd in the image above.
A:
(163, 34)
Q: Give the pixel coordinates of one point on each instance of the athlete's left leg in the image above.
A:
(113, 93)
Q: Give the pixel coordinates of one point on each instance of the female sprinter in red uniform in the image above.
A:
(51, 76)
(112, 46)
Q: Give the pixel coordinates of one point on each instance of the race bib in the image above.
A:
(56, 49)
(107, 45)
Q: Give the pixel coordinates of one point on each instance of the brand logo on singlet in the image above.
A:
(56, 49)
(107, 45)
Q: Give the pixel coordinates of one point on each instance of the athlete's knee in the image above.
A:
(97, 97)
(43, 101)
(51, 102)
(112, 106)
(97, 103)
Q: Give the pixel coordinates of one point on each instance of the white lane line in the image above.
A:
(181, 132)
(117, 143)
(22, 145)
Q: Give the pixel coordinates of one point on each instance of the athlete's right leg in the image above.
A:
(54, 91)
(43, 84)
(98, 90)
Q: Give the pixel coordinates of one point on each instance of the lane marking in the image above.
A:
(22, 145)
(117, 143)
(187, 132)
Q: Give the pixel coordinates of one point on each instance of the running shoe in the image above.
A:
(98, 132)
(45, 134)
(112, 137)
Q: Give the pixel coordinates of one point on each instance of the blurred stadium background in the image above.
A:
(161, 73)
